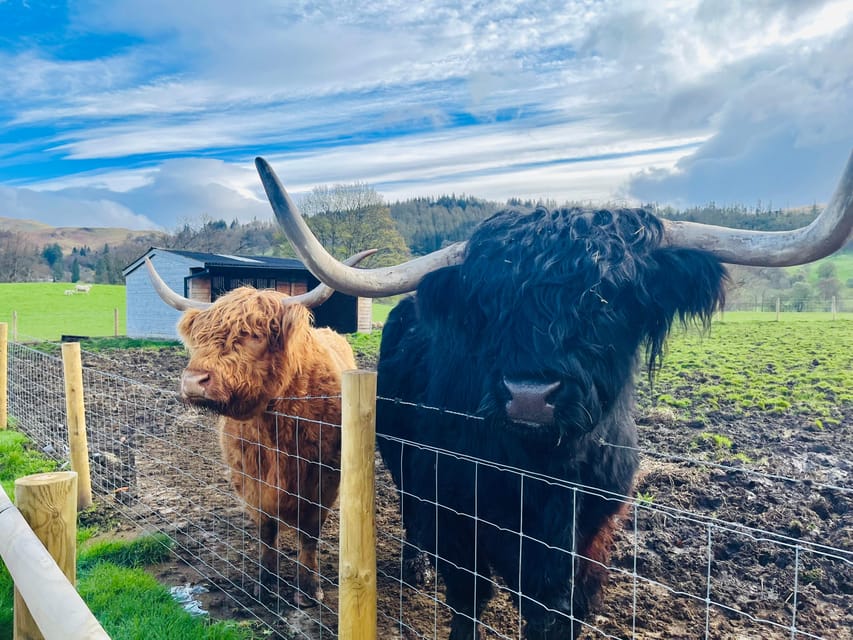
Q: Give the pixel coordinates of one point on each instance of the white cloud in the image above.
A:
(783, 136)
(670, 101)
(61, 210)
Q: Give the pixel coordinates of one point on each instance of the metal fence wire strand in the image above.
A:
(157, 466)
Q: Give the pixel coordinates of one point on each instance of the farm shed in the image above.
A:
(206, 276)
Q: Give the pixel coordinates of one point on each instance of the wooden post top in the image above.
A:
(41, 479)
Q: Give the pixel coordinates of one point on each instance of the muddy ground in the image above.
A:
(709, 549)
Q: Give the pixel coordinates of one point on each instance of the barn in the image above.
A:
(206, 276)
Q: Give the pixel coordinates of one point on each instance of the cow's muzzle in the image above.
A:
(194, 384)
(529, 402)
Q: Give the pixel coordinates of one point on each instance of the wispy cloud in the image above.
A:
(144, 113)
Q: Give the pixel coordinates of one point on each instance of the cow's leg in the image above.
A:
(466, 603)
(418, 568)
(268, 535)
(308, 591)
(467, 575)
(554, 610)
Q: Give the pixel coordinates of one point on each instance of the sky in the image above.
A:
(148, 114)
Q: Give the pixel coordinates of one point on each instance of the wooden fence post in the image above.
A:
(357, 568)
(76, 410)
(778, 308)
(48, 503)
(115, 322)
(14, 326)
(38, 545)
(834, 307)
(4, 375)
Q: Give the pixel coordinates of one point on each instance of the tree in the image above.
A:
(108, 267)
(17, 257)
(75, 270)
(801, 293)
(826, 269)
(350, 218)
(213, 236)
(52, 254)
(428, 224)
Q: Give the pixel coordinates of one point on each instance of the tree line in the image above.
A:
(348, 218)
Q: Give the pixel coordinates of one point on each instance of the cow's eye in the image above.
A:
(253, 339)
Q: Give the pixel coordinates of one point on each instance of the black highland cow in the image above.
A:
(528, 335)
(536, 332)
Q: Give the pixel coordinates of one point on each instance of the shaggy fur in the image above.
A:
(545, 296)
(258, 362)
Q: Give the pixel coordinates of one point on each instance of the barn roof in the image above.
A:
(223, 260)
(231, 260)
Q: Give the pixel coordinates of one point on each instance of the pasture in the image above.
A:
(740, 524)
(45, 312)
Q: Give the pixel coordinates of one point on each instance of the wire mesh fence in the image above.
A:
(685, 565)
(156, 466)
(706, 548)
(790, 306)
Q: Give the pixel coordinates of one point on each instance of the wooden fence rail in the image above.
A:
(34, 536)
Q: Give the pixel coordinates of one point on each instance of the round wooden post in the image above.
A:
(357, 568)
(115, 322)
(14, 326)
(4, 375)
(48, 502)
(38, 546)
(778, 308)
(76, 410)
(834, 308)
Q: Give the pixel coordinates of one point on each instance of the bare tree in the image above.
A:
(18, 258)
(348, 218)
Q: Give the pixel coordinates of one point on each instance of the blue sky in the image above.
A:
(148, 114)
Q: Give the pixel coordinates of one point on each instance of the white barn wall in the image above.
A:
(147, 315)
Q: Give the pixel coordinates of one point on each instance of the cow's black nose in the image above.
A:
(528, 401)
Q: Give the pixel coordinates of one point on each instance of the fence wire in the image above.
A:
(677, 571)
(689, 561)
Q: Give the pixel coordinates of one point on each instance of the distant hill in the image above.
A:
(40, 234)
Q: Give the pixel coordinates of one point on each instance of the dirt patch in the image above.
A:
(752, 540)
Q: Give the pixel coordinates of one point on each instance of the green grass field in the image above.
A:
(44, 312)
(748, 365)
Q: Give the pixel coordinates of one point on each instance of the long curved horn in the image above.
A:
(826, 233)
(314, 298)
(168, 296)
(322, 292)
(370, 283)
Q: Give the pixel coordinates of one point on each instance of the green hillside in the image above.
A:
(843, 264)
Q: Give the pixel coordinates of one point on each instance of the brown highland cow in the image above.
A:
(275, 379)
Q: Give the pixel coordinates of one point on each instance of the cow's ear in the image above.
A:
(686, 285)
(185, 324)
(294, 318)
(438, 296)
